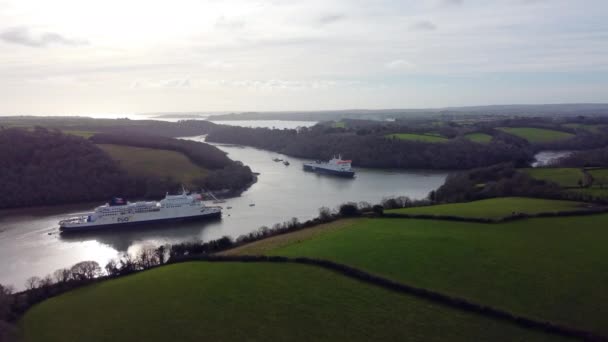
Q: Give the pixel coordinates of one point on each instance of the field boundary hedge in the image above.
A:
(433, 296)
(513, 217)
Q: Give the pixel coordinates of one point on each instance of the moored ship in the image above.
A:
(336, 166)
(119, 213)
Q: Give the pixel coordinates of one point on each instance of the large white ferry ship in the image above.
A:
(336, 166)
(119, 213)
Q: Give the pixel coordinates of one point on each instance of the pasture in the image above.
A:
(545, 268)
(591, 128)
(494, 208)
(199, 301)
(565, 177)
(156, 163)
(429, 138)
(481, 138)
(536, 135)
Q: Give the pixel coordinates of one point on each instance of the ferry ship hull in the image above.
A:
(320, 169)
(127, 224)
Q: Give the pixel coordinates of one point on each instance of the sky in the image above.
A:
(74, 57)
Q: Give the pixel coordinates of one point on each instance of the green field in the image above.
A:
(595, 192)
(600, 177)
(339, 124)
(84, 134)
(481, 138)
(155, 163)
(493, 208)
(590, 128)
(547, 268)
(430, 138)
(565, 177)
(200, 301)
(536, 135)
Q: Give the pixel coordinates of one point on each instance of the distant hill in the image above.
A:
(587, 109)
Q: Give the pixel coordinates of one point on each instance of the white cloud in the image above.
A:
(23, 36)
(423, 25)
(328, 52)
(399, 64)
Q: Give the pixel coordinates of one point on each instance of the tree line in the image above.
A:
(376, 151)
(42, 166)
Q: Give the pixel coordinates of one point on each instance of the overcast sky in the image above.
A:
(126, 56)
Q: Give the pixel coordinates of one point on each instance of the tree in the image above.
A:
(85, 270)
(32, 283)
(349, 209)
(324, 214)
(62, 275)
(6, 300)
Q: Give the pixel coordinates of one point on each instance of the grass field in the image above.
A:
(84, 134)
(155, 163)
(547, 268)
(339, 124)
(590, 128)
(430, 138)
(536, 135)
(493, 208)
(481, 138)
(200, 301)
(565, 177)
(600, 177)
(596, 192)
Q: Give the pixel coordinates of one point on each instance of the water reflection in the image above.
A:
(157, 234)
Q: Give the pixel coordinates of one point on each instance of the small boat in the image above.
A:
(228, 207)
(286, 163)
(252, 205)
(277, 159)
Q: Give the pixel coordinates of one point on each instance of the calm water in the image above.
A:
(31, 245)
(278, 124)
(543, 158)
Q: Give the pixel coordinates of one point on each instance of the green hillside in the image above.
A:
(201, 301)
(536, 135)
(481, 138)
(546, 268)
(430, 138)
(493, 208)
(139, 161)
(564, 176)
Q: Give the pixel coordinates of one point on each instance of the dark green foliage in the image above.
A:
(349, 209)
(48, 167)
(375, 150)
(597, 157)
(501, 180)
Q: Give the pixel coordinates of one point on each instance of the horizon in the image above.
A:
(70, 58)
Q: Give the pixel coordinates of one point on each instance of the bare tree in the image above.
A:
(146, 257)
(32, 283)
(85, 270)
(62, 275)
(113, 268)
(6, 300)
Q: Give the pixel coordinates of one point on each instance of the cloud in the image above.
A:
(179, 83)
(399, 64)
(423, 25)
(219, 64)
(452, 2)
(23, 36)
(330, 18)
(229, 23)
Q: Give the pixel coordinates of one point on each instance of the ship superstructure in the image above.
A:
(336, 166)
(119, 213)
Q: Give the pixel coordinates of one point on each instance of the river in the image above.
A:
(30, 244)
